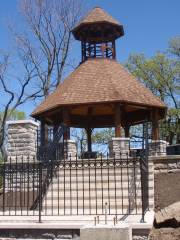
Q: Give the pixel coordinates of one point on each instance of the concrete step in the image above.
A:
(85, 191)
(99, 171)
(89, 203)
(93, 201)
(93, 211)
(93, 195)
(95, 190)
(93, 187)
(61, 179)
(91, 207)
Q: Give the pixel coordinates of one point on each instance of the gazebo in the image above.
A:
(100, 93)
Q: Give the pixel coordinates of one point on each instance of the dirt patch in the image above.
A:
(167, 189)
(166, 192)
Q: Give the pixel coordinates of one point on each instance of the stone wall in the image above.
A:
(168, 163)
(22, 138)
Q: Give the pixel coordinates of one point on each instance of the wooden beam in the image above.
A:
(117, 121)
(137, 116)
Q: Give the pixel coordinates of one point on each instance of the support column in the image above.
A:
(89, 130)
(89, 141)
(157, 147)
(70, 148)
(43, 133)
(21, 139)
(66, 121)
(55, 128)
(117, 121)
(155, 127)
(119, 146)
(114, 49)
(126, 129)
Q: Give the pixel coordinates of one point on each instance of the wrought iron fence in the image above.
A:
(55, 147)
(168, 142)
(73, 186)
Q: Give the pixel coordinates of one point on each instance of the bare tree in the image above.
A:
(47, 43)
(15, 91)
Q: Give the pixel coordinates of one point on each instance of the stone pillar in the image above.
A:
(22, 138)
(119, 147)
(71, 148)
(157, 148)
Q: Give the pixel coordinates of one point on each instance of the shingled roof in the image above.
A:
(98, 15)
(99, 19)
(99, 81)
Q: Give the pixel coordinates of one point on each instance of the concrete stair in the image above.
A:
(76, 191)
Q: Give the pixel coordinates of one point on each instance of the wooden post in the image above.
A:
(117, 121)
(43, 133)
(55, 128)
(126, 129)
(155, 126)
(88, 129)
(89, 142)
(66, 121)
(94, 49)
(114, 49)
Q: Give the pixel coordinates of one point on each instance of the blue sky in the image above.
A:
(148, 25)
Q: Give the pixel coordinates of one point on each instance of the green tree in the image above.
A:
(161, 74)
(13, 115)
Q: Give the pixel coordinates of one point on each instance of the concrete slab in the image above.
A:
(106, 232)
(72, 222)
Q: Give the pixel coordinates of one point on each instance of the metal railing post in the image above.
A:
(40, 190)
(4, 185)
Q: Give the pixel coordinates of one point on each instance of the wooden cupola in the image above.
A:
(97, 33)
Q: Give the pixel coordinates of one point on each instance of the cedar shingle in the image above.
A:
(96, 81)
(98, 15)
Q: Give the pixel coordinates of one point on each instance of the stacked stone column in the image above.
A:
(22, 139)
(157, 148)
(119, 147)
(71, 150)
